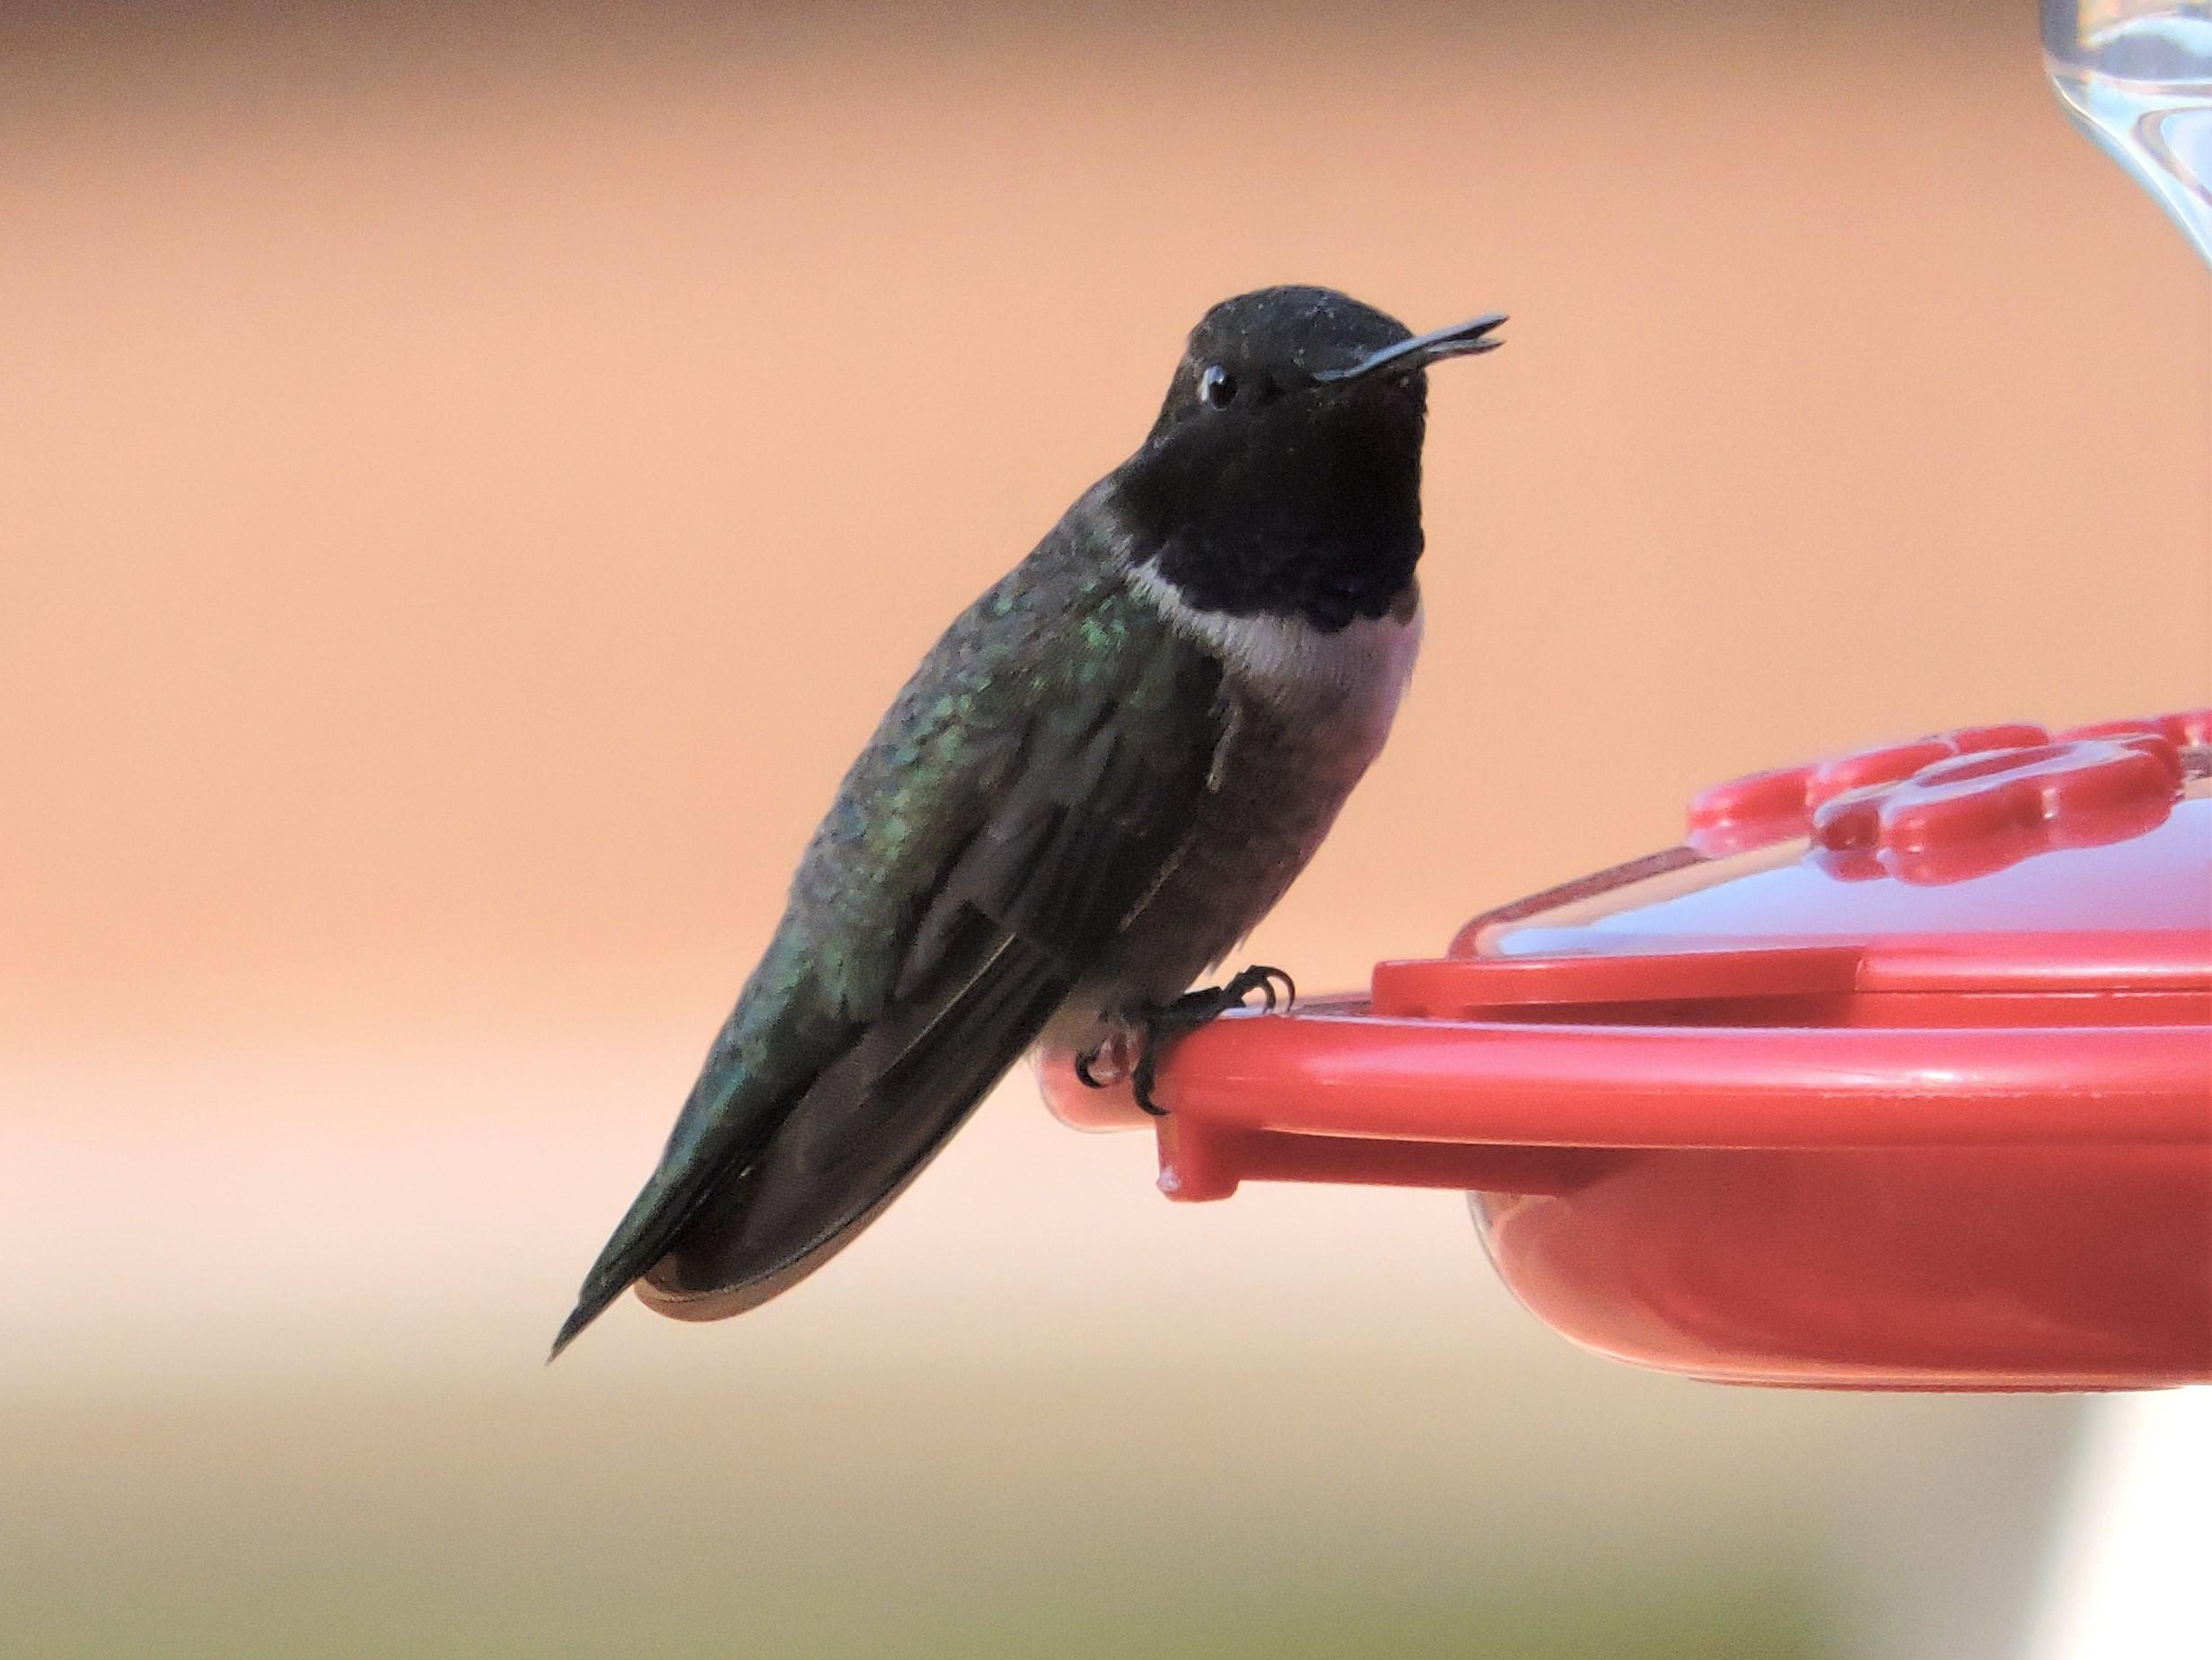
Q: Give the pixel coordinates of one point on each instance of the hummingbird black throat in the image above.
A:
(1100, 779)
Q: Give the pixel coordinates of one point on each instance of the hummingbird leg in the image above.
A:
(1165, 1026)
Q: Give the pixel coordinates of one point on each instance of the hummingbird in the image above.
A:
(1103, 775)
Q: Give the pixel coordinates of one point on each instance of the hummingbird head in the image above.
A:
(1283, 476)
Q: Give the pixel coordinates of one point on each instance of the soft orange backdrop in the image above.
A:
(458, 521)
(469, 478)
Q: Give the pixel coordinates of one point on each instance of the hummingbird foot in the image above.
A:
(1111, 1061)
(1163, 1027)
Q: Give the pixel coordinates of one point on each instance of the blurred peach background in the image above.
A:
(470, 477)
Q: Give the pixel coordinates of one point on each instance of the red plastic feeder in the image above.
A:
(1898, 1074)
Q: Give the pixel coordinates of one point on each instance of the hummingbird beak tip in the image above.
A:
(1466, 348)
(1467, 339)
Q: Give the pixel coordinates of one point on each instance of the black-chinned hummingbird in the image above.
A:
(1105, 773)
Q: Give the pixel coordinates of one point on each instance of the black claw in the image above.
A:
(1141, 1079)
(1192, 1010)
(1260, 978)
(1083, 1071)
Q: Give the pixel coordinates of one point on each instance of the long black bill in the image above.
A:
(1461, 340)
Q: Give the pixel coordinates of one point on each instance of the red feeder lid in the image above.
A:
(1897, 1073)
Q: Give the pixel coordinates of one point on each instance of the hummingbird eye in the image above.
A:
(1217, 386)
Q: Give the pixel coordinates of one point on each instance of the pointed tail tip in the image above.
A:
(572, 1328)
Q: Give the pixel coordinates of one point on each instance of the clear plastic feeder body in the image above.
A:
(2136, 77)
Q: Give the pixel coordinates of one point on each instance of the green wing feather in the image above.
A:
(1024, 796)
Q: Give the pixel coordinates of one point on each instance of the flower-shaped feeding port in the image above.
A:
(1898, 1072)
(1976, 813)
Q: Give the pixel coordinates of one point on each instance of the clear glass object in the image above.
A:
(2136, 77)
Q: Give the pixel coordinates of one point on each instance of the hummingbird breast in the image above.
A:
(1302, 712)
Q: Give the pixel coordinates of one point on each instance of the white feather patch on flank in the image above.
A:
(1360, 671)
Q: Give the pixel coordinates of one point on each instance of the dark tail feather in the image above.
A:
(655, 1218)
(587, 1310)
(853, 1142)
(690, 1173)
(804, 1180)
